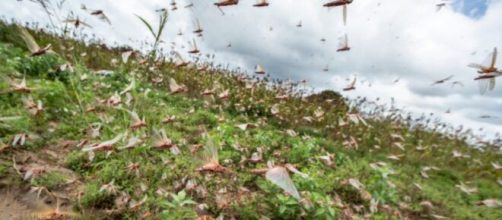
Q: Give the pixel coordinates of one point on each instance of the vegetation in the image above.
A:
(156, 34)
(377, 164)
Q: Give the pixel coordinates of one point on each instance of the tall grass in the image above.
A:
(156, 34)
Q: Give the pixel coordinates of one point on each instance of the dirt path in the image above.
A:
(20, 199)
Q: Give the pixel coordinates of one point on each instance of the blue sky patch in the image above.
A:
(472, 8)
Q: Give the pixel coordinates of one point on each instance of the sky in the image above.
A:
(471, 8)
(405, 40)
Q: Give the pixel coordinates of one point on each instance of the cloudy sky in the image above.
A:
(407, 40)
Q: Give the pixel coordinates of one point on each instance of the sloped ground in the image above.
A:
(349, 168)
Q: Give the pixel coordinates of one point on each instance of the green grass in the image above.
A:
(240, 193)
(49, 180)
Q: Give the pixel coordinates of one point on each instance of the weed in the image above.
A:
(94, 197)
(156, 34)
(50, 180)
(178, 207)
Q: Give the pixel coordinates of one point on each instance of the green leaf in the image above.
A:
(162, 23)
(171, 205)
(181, 195)
(319, 212)
(282, 209)
(291, 202)
(147, 25)
(332, 211)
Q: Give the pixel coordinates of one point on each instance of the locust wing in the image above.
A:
(280, 177)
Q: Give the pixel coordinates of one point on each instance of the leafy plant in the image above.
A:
(287, 206)
(41, 66)
(156, 34)
(323, 207)
(380, 188)
(177, 208)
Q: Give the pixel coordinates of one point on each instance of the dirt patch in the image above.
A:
(23, 190)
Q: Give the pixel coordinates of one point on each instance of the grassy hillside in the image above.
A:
(349, 168)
